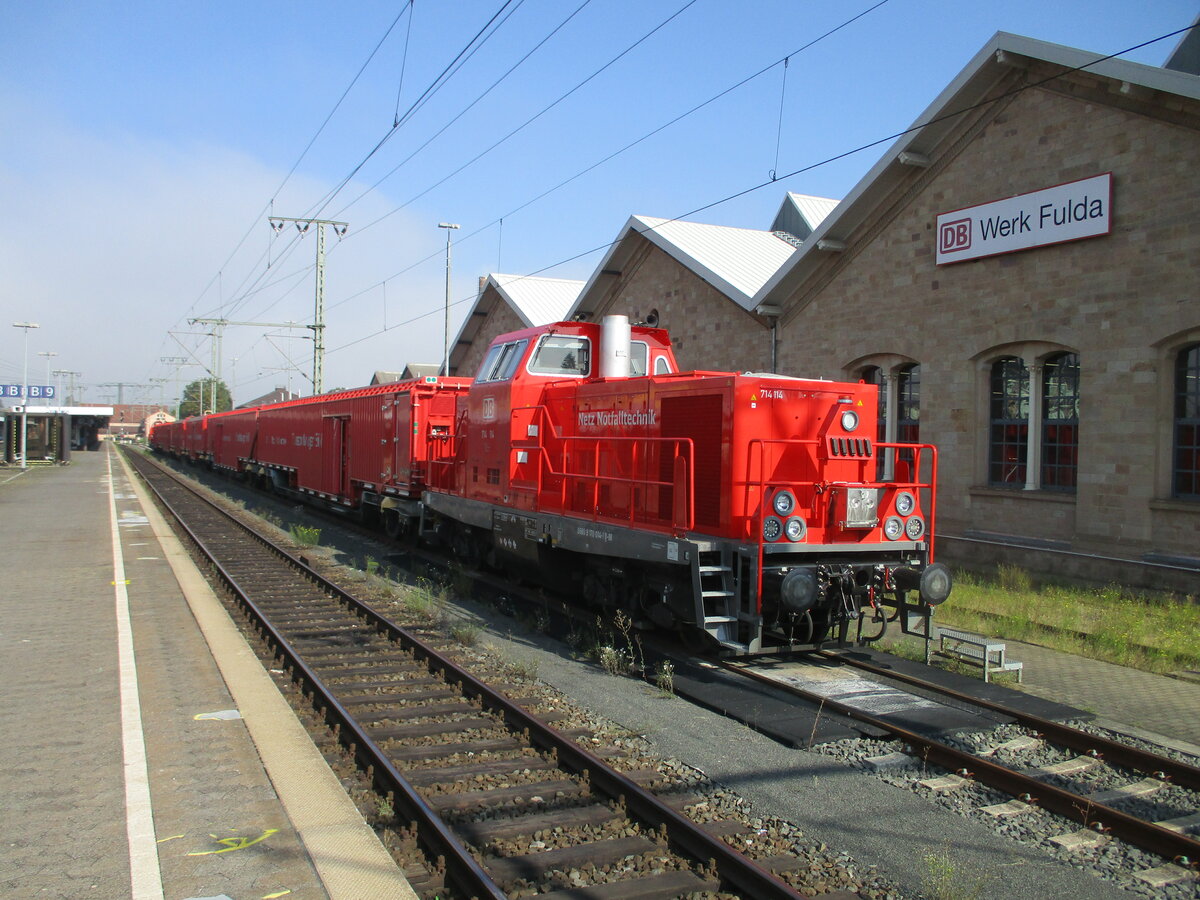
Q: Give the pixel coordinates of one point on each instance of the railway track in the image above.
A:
(508, 805)
(1096, 781)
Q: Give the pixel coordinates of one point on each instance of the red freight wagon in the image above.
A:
(744, 508)
(195, 438)
(366, 446)
(167, 437)
(231, 438)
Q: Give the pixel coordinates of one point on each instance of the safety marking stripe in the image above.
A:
(145, 876)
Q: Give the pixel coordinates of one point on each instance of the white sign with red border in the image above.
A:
(1067, 212)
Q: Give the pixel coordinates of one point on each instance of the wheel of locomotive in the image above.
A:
(466, 547)
(395, 526)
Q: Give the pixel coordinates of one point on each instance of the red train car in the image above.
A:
(366, 449)
(744, 509)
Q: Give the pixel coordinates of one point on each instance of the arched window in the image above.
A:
(908, 405)
(1185, 462)
(1060, 422)
(1008, 438)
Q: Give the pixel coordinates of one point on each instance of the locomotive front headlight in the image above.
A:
(905, 503)
(772, 529)
(893, 528)
(795, 528)
(783, 503)
(914, 527)
(849, 420)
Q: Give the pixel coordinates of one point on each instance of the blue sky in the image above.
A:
(143, 143)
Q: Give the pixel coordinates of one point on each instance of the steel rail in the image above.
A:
(463, 870)
(1144, 761)
(682, 835)
(1148, 836)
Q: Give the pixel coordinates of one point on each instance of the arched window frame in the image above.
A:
(1016, 431)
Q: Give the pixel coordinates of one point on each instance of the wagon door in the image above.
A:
(335, 455)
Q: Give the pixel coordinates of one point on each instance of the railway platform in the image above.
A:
(146, 753)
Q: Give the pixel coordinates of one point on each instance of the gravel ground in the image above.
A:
(1114, 861)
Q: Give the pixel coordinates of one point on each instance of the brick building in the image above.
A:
(1057, 370)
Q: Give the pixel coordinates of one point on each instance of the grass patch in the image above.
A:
(305, 535)
(1149, 632)
(425, 603)
(466, 633)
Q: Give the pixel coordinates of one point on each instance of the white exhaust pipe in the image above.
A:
(614, 347)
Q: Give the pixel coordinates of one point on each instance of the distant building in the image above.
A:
(279, 395)
(411, 371)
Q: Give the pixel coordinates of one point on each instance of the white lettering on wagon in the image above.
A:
(307, 441)
(597, 419)
(594, 534)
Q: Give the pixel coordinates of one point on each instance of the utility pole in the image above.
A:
(318, 325)
(49, 354)
(120, 386)
(25, 392)
(178, 362)
(218, 335)
(69, 400)
(446, 324)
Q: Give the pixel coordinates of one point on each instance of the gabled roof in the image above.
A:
(536, 301)
(736, 261)
(799, 214)
(924, 138)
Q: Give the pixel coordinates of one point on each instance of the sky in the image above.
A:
(144, 145)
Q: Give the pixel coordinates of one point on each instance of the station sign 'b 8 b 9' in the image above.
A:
(1066, 212)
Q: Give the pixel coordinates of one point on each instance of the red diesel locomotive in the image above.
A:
(750, 512)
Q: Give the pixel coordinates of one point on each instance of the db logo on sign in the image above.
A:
(955, 236)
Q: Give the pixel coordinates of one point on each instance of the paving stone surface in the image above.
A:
(218, 824)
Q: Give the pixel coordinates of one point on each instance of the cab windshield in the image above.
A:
(561, 354)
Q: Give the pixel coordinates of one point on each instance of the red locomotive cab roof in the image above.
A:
(573, 350)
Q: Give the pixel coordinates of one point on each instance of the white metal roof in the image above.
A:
(736, 261)
(812, 209)
(538, 301)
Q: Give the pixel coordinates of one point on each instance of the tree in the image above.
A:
(197, 398)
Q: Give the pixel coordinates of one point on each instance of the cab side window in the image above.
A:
(501, 361)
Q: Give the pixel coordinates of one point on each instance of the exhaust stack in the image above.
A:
(614, 347)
